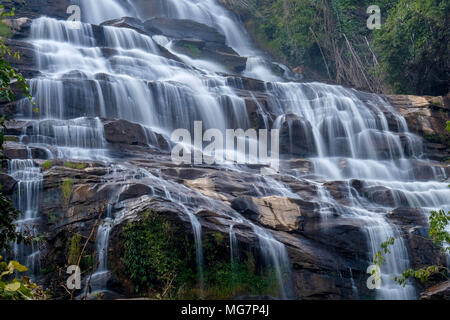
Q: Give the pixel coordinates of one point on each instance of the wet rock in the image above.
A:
(15, 127)
(13, 150)
(426, 116)
(27, 63)
(7, 184)
(211, 51)
(183, 29)
(438, 292)
(20, 27)
(379, 194)
(275, 212)
(135, 191)
(408, 217)
(37, 8)
(206, 187)
(125, 132)
(126, 22)
(425, 171)
(296, 137)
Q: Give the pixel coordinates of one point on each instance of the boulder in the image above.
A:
(211, 51)
(14, 150)
(206, 187)
(20, 27)
(7, 184)
(426, 116)
(27, 64)
(37, 8)
(408, 217)
(126, 22)
(125, 132)
(438, 292)
(275, 212)
(296, 137)
(183, 29)
(135, 191)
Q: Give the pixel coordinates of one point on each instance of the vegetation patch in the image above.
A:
(47, 165)
(196, 52)
(66, 189)
(75, 249)
(75, 165)
(160, 259)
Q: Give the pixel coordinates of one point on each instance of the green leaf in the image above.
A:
(12, 287)
(18, 266)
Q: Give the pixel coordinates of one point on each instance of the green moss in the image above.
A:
(5, 31)
(48, 269)
(66, 188)
(196, 52)
(160, 256)
(88, 262)
(11, 138)
(156, 257)
(47, 165)
(438, 138)
(219, 238)
(53, 218)
(75, 249)
(75, 165)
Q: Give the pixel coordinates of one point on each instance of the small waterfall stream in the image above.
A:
(29, 184)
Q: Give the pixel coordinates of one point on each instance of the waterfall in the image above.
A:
(87, 75)
(26, 200)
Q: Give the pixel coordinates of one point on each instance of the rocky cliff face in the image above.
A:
(79, 199)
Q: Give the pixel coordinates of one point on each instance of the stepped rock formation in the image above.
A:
(356, 168)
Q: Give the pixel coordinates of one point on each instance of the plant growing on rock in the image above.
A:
(66, 189)
(160, 260)
(438, 221)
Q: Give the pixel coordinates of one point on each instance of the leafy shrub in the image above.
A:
(12, 288)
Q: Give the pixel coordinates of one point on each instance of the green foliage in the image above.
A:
(66, 188)
(9, 75)
(448, 126)
(8, 214)
(75, 165)
(160, 259)
(409, 54)
(12, 288)
(47, 165)
(196, 52)
(422, 274)
(414, 47)
(155, 257)
(225, 281)
(75, 249)
(438, 222)
(379, 256)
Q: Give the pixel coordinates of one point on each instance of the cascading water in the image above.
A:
(85, 78)
(29, 184)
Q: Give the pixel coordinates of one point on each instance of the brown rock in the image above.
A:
(7, 183)
(438, 292)
(275, 212)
